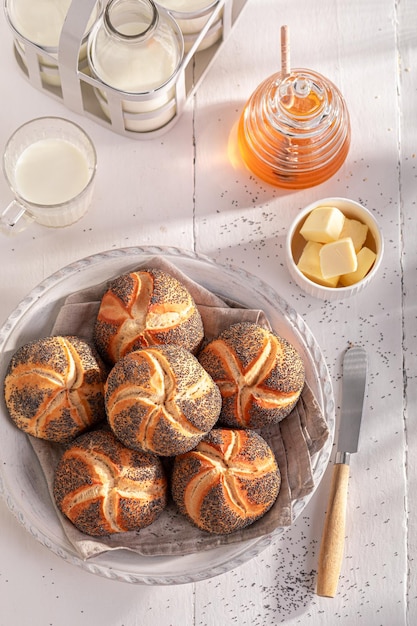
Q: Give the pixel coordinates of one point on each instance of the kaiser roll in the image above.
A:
(144, 308)
(160, 399)
(105, 488)
(227, 482)
(260, 375)
(54, 388)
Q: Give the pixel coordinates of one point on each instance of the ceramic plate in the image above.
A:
(21, 480)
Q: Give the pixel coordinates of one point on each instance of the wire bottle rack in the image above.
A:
(64, 73)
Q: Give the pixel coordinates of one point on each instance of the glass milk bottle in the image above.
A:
(137, 49)
(294, 131)
(40, 22)
(192, 16)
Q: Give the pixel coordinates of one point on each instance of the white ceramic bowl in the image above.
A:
(295, 243)
(22, 483)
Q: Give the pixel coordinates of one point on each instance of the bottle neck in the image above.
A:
(131, 20)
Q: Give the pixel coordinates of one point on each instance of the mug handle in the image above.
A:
(15, 218)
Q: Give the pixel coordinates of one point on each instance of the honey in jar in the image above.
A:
(294, 131)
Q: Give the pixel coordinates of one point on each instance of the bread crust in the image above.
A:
(54, 388)
(161, 399)
(103, 488)
(144, 308)
(227, 482)
(260, 375)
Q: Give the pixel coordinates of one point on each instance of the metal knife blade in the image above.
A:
(355, 372)
(355, 368)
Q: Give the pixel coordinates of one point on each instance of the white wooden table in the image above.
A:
(184, 189)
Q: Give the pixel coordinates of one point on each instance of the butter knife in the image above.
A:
(355, 368)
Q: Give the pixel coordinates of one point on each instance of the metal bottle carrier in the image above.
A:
(77, 89)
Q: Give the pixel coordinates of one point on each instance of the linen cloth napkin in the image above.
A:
(294, 440)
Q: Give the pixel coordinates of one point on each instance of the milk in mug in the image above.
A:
(50, 165)
(51, 171)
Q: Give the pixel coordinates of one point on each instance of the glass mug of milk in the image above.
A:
(50, 165)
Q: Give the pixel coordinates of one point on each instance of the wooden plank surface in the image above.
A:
(189, 189)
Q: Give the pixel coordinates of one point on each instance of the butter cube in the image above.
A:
(356, 230)
(366, 259)
(323, 224)
(338, 257)
(309, 265)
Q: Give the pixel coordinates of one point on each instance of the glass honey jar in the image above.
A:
(294, 131)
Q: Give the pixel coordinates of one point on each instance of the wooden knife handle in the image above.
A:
(333, 537)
